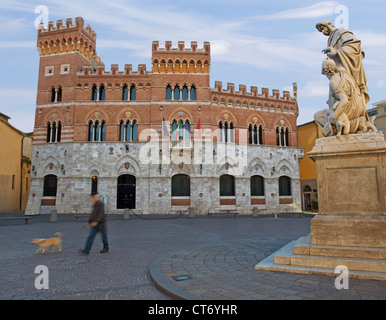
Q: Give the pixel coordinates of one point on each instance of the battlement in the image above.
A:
(254, 91)
(67, 38)
(114, 70)
(181, 47)
(69, 26)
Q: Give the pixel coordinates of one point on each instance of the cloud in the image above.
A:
(314, 89)
(317, 10)
(17, 44)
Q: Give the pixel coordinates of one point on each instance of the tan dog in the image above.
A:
(47, 243)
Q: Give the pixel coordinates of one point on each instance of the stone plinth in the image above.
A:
(351, 190)
(350, 228)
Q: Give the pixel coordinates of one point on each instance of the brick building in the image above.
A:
(156, 141)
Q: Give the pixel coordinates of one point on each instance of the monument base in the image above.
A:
(300, 256)
(350, 229)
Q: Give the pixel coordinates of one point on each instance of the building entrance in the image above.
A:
(126, 192)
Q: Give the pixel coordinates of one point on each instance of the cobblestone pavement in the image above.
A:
(217, 254)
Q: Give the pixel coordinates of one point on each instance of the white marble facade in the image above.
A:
(75, 163)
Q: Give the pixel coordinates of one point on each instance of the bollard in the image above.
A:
(126, 215)
(54, 215)
(255, 212)
(191, 212)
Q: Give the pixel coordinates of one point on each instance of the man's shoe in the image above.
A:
(84, 252)
(103, 251)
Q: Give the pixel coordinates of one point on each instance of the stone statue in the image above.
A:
(348, 95)
(347, 113)
(345, 49)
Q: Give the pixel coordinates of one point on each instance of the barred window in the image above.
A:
(181, 185)
(227, 186)
(50, 186)
(257, 186)
(285, 186)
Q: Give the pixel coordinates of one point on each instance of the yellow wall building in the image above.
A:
(379, 111)
(15, 166)
(307, 134)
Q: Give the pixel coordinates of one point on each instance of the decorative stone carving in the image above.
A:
(348, 90)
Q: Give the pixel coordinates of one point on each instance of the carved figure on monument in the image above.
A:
(345, 49)
(347, 113)
(348, 90)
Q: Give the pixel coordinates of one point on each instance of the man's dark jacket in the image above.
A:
(98, 212)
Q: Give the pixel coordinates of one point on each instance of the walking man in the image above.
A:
(98, 224)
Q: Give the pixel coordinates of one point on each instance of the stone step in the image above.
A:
(284, 260)
(357, 264)
(303, 247)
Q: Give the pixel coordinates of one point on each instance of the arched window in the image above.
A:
(286, 137)
(59, 132)
(125, 92)
(94, 93)
(257, 186)
(226, 131)
(277, 136)
(128, 131)
(187, 130)
(103, 131)
(48, 132)
(59, 95)
(53, 95)
(250, 134)
(121, 131)
(282, 138)
(50, 185)
(285, 186)
(90, 131)
(177, 92)
(260, 134)
(168, 92)
(231, 132)
(174, 130)
(96, 131)
(227, 186)
(94, 185)
(53, 134)
(193, 93)
(102, 92)
(134, 131)
(180, 130)
(185, 92)
(220, 132)
(133, 93)
(181, 185)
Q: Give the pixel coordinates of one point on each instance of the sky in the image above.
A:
(269, 44)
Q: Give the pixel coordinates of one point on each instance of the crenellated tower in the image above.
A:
(64, 49)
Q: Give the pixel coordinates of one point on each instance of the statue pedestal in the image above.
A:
(350, 228)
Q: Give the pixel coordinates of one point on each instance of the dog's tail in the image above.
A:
(58, 234)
